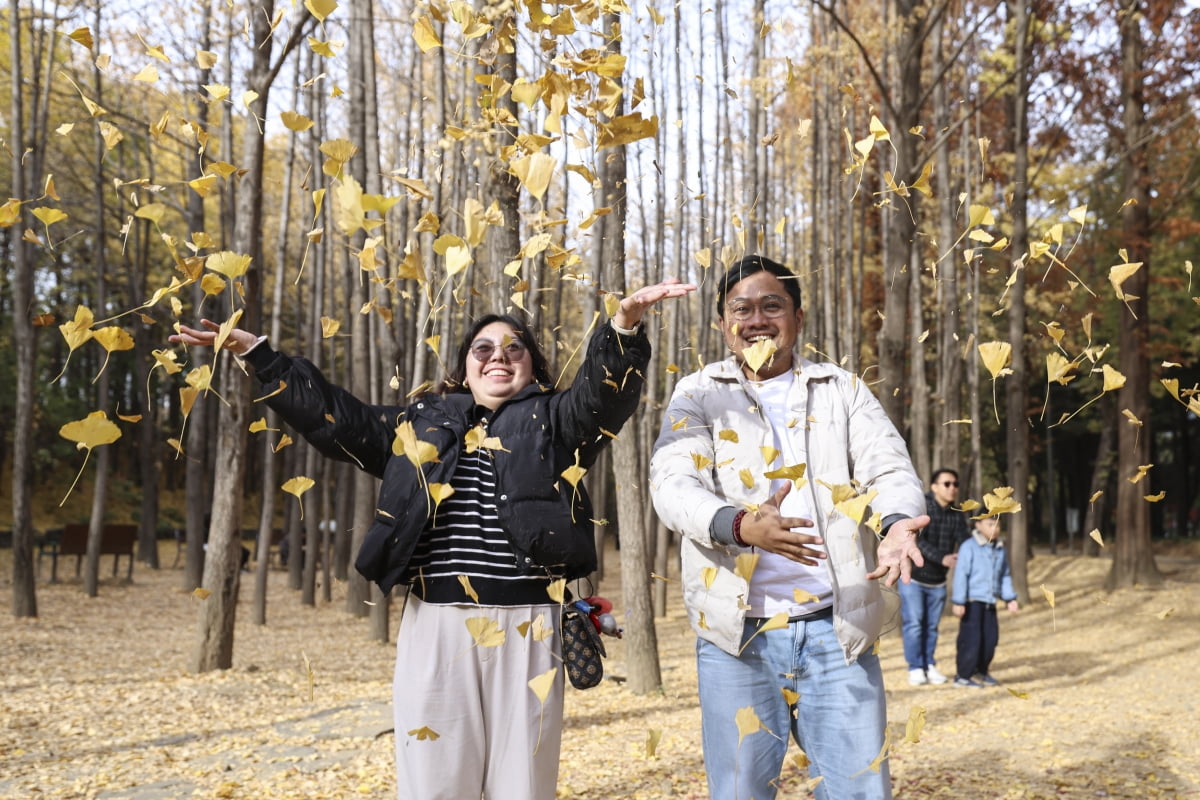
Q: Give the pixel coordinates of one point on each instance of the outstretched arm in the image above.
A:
(237, 342)
(635, 305)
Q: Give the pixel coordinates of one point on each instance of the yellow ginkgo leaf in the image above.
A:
(231, 265)
(113, 338)
(320, 8)
(800, 596)
(424, 35)
(298, 486)
(259, 425)
(1059, 369)
(329, 327)
(1095, 534)
(747, 723)
(745, 564)
(439, 492)
(407, 444)
(1113, 380)
(485, 631)
(996, 357)
(574, 474)
(76, 332)
(1142, 471)
(701, 461)
(794, 472)
(226, 329)
(728, 435)
(470, 590)
(856, 507)
(94, 430)
(1049, 594)
(424, 733)
(534, 171)
(708, 575)
(653, 737)
(759, 353)
(747, 478)
(213, 284)
(915, 724)
(1154, 498)
(557, 590)
(999, 501)
(877, 762)
(1119, 274)
(543, 683)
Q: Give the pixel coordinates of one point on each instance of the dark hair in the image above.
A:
(745, 267)
(455, 380)
(940, 471)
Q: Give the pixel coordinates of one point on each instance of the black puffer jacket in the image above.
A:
(548, 521)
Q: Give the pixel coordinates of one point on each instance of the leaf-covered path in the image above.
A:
(1100, 699)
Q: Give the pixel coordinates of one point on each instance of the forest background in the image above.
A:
(992, 208)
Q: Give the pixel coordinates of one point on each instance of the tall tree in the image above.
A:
(629, 462)
(24, 594)
(1133, 561)
(215, 627)
(1016, 415)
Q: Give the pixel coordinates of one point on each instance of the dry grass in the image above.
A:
(95, 701)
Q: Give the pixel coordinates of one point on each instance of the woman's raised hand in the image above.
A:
(237, 342)
(634, 306)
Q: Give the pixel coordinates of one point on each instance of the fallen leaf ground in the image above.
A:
(1100, 698)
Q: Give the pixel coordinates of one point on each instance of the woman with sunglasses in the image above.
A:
(479, 512)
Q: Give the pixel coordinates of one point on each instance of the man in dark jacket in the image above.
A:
(922, 600)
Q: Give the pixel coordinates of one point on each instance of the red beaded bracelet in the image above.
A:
(737, 528)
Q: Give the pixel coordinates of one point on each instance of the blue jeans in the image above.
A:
(839, 721)
(920, 611)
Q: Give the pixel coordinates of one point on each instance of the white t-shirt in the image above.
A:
(780, 584)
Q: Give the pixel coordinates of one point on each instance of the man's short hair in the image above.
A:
(747, 266)
(939, 472)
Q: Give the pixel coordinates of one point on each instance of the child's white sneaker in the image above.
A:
(916, 677)
(933, 676)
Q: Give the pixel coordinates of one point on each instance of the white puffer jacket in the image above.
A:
(698, 468)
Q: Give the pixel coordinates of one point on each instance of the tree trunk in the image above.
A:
(1016, 385)
(222, 566)
(91, 574)
(24, 598)
(629, 465)
(1133, 560)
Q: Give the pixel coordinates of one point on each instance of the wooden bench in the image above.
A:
(115, 540)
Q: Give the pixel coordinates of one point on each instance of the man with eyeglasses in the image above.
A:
(779, 473)
(923, 598)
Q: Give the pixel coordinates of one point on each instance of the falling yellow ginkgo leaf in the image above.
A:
(424, 733)
(996, 358)
(93, 431)
(542, 684)
(485, 631)
(298, 486)
(470, 590)
(747, 723)
(915, 724)
(759, 353)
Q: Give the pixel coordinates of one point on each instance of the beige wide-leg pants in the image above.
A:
(468, 724)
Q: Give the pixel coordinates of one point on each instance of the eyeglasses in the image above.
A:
(483, 350)
(771, 306)
(950, 483)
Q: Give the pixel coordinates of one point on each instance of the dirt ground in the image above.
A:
(1100, 698)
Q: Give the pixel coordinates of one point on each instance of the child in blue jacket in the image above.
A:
(981, 579)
